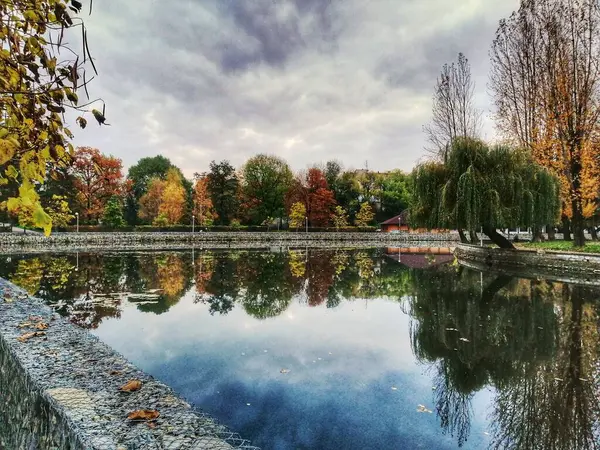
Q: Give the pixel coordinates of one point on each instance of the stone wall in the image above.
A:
(584, 267)
(60, 389)
(86, 241)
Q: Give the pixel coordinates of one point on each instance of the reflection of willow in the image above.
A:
(476, 335)
(557, 406)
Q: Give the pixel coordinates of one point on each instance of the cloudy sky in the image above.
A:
(308, 80)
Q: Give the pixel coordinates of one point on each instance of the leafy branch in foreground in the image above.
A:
(40, 77)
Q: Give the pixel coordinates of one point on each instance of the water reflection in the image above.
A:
(534, 344)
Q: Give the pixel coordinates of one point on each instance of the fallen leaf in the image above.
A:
(35, 318)
(131, 386)
(26, 336)
(423, 409)
(42, 326)
(24, 325)
(151, 424)
(284, 371)
(394, 388)
(143, 414)
(115, 372)
(451, 329)
(464, 340)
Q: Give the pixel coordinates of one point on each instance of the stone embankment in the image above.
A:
(60, 388)
(19, 243)
(579, 268)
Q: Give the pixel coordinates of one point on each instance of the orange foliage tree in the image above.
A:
(150, 201)
(97, 179)
(311, 189)
(203, 207)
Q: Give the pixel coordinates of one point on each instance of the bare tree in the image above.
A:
(454, 112)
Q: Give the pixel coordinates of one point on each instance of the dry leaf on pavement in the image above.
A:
(26, 336)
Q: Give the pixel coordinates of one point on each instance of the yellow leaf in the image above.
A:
(131, 386)
(11, 172)
(7, 151)
(143, 414)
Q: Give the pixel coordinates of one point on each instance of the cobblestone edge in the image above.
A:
(64, 391)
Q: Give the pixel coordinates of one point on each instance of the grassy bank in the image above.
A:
(562, 246)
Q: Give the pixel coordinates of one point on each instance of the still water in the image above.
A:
(345, 349)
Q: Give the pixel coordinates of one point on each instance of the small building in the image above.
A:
(396, 223)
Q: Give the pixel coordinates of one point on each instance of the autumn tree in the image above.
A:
(297, 215)
(203, 207)
(97, 179)
(310, 188)
(365, 215)
(482, 187)
(339, 217)
(223, 185)
(139, 178)
(58, 210)
(454, 111)
(172, 202)
(545, 80)
(151, 200)
(40, 77)
(265, 179)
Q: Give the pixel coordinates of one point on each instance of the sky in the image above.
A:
(306, 80)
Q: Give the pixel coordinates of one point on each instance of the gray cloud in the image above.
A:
(308, 80)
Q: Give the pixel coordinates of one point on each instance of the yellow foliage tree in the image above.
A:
(365, 216)
(297, 215)
(172, 202)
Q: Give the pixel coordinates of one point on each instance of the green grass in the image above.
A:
(590, 247)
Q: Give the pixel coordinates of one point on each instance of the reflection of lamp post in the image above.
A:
(77, 215)
(399, 222)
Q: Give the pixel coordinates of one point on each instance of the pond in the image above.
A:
(344, 349)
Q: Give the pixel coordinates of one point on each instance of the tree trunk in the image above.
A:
(566, 228)
(593, 231)
(463, 237)
(497, 238)
(536, 234)
(551, 234)
(578, 225)
(474, 237)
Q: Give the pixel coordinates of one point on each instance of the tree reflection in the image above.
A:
(535, 341)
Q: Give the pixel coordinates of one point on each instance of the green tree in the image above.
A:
(395, 194)
(265, 181)
(113, 213)
(223, 185)
(482, 187)
(339, 217)
(297, 215)
(39, 80)
(365, 215)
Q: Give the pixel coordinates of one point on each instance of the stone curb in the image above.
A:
(577, 267)
(60, 389)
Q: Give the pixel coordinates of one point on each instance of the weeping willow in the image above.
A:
(488, 187)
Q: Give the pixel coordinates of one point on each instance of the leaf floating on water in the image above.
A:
(394, 388)
(247, 404)
(143, 414)
(433, 388)
(584, 379)
(284, 371)
(558, 379)
(25, 337)
(464, 340)
(131, 386)
(486, 433)
(423, 409)
(451, 329)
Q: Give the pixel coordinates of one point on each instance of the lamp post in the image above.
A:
(193, 223)
(306, 218)
(77, 216)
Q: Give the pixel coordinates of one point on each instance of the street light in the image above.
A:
(193, 223)
(306, 223)
(77, 215)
